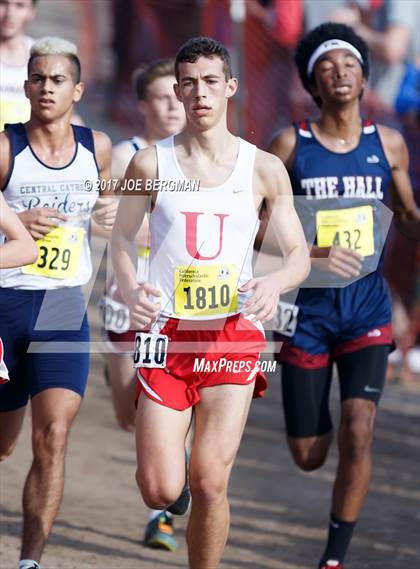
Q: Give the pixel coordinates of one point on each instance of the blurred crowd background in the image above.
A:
(114, 37)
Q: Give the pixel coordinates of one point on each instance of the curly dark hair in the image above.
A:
(202, 46)
(308, 44)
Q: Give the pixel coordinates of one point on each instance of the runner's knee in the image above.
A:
(356, 433)
(50, 441)
(210, 486)
(155, 495)
(309, 456)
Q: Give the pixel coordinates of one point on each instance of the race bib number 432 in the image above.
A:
(205, 291)
(351, 228)
(285, 320)
(59, 253)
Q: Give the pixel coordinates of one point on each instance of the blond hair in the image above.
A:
(51, 45)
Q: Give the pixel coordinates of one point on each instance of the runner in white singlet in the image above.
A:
(201, 309)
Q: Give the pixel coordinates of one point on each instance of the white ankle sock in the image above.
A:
(28, 564)
(154, 514)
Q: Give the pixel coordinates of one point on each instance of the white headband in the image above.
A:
(329, 45)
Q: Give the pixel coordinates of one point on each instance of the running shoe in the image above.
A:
(331, 564)
(160, 533)
(181, 505)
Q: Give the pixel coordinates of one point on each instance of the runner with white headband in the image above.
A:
(329, 46)
(341, 167)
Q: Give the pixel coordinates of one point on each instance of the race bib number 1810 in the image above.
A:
(206, 290)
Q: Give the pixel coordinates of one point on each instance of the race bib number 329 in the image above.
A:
(58, 253)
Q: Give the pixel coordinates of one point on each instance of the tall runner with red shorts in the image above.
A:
(201, 309)
(342, 168)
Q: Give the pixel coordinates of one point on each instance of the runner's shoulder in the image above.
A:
(267, 163)
(391, 138)
(269, 169)
(144, 163)
(283, 144)
(103, 149)
(394, 146)
(102, 141)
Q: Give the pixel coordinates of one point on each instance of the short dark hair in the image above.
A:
(74, 60)
(144, 76)
(308, 44)
(202, 46)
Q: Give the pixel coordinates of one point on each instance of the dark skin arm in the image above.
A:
(406, 212)
(339, 260)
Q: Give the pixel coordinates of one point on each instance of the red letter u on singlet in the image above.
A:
(191, 234)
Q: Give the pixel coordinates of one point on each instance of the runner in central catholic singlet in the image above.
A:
(43, 302)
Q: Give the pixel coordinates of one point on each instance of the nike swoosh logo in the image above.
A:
(370, 389)
(374, 333)
(334, 525)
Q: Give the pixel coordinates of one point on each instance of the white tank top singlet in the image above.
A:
(64, 254)
(14, 106)
(202, 238)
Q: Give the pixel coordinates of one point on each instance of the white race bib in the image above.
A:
(150, 350)
(285, 320)
(115, 314)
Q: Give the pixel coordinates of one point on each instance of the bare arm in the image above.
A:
(130, 215)
(278, 199)
(283, 146)
(407, 213)
(339, 260)
(103, 216)
(122, 154)
(271, 183)
(20, 249)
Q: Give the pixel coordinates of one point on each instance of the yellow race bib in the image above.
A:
(59, 253)
(351, 228)
(205, 291)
